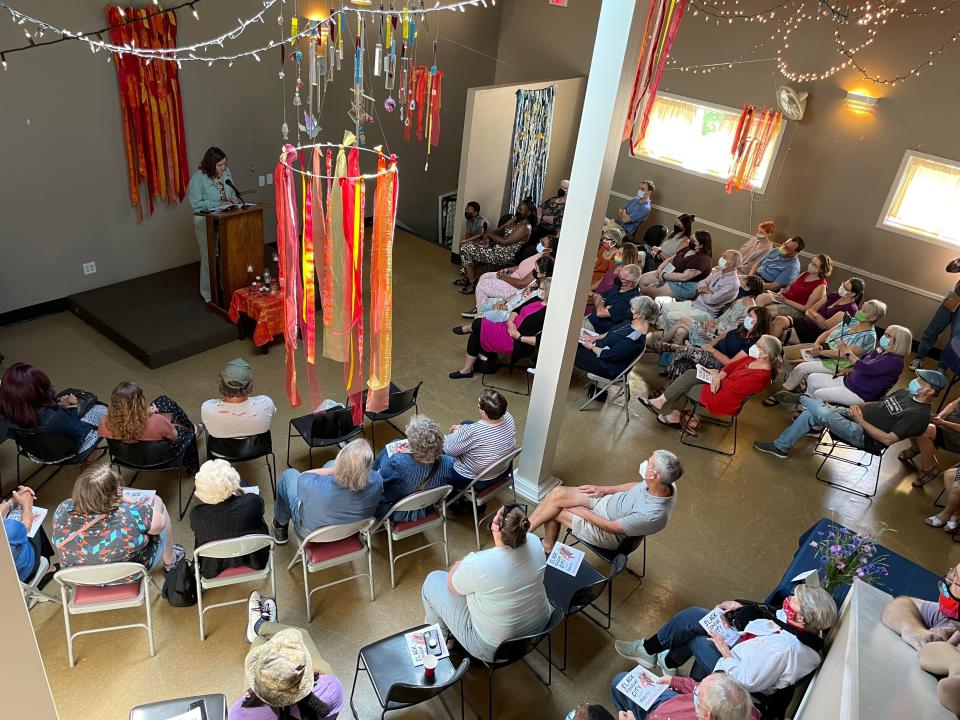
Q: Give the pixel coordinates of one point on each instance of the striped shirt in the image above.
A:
(475, 445)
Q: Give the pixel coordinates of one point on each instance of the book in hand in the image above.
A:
(39, 514)
(565, 558)
(418, 647)
(807, 355)
(704, 375)
(641, 686)
(713, 622)
(397, 446)
(132, 495)
(250, 489)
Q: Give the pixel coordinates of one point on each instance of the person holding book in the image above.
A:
(26, 550)
(718, 695)
(766, 649)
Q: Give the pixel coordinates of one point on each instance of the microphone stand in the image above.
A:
(233, 187)
(843, 327)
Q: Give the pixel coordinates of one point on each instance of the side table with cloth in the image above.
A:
(265, 309)
(905, 577)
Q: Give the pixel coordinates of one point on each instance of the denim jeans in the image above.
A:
(816, 413)
(622, 702)
(452, 613)
(287, 506)
(940, 320)
(685, 637)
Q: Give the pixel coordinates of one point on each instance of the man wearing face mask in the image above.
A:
(919, 622)
(872, 426)
(781, 266)
(632, 215)
(613, 307)
(476, 223)
(714, 293)
(717, 697)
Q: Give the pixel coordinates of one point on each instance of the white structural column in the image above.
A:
(609, 85)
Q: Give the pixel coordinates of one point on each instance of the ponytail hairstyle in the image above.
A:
(514, 525)
(857, 286)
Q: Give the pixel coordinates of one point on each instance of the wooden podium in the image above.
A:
(234, 242)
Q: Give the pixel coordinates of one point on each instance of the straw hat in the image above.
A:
(280, 671)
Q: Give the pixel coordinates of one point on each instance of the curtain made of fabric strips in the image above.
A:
(532, 123)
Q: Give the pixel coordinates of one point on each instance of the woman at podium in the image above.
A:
(211, 188)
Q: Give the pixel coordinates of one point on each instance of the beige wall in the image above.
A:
(488, 139)
(64, 197)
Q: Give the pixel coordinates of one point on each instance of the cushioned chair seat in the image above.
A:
(96, 594)
(321, 552)
(492, 489)
(233, 572)
(405, 525)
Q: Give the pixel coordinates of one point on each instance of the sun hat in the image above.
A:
(280, 671)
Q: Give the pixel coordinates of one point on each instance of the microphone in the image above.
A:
(236, 190)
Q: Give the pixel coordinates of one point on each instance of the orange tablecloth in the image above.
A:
(265, 309)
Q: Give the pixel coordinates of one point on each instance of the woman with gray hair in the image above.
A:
(226, 512)
(411, 465)
(611, 353)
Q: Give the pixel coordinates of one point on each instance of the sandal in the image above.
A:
(785, 397)
(646, 403)
(926, 476)
(467, 290)
(663, 346)
(934, 521)
(662, 419)
(770, 401)
(908, 455)
(690, 426)
(952, 526)
(461, 281)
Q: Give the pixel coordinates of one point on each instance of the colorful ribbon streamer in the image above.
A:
(353, 196)
(288, 246)
(754, 132)
(381, 286)
(333, 331)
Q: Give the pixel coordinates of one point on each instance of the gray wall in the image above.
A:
(64, 195)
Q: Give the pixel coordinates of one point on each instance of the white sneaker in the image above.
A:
(662, 663)
(633, 650)
(259, 609)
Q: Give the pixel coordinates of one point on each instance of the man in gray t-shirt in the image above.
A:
(607, 515)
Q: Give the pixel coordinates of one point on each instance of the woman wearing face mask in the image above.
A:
(499, 309)
(210, 188)
(679, 276)
(499, 247)
(611, 237)
(824, 314)
(504, 283)
(610, 354)
(756, 248)
(699, 333)
(677, 240)
(728, 389)
(943, 432)
(809, 289)
(830, 353)
(653, 237)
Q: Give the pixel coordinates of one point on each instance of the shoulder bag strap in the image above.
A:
(86, 526)
(433, 471)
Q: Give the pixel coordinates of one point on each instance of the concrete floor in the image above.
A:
(732, 535)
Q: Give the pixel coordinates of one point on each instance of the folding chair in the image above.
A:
(323, 429)
(31, 593)
(45, 449)
(150, 456)
(479, 497)
(622, 381)
(711, 419)
(244, 449)
(88, 589)
(529, 367)
(436, 517)
(330, 546)
(833, 445)
(400, 402)
(609, 556)
(232, 548)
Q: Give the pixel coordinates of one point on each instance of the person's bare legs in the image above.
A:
(160, 514)
(952, 508)
(550, 512)
(924, 443)
(781, 323)
(471, 272)
(468, 363)
(680, 326)
(662, 291)
(647, 279)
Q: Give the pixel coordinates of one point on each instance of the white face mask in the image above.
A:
(754, 351)
(722, 263)
(781, 615)
(812, 269)
(643, 469)
(842, 291)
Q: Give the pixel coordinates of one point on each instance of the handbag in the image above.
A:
(180, 584)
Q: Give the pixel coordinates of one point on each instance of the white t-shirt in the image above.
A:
(230, 420)
(504, 589)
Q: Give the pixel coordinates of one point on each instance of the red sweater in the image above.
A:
(740, 382)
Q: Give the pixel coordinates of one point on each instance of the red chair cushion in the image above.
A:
(493, 489)
(96, 594)
(318, 552)
(404, 525)
(233, 571)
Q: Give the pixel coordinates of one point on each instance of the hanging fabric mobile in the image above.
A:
(288, 242)
(756, 129)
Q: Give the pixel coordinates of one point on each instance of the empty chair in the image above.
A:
(150, 456)
(398, 530)
(324, 429)
(400, 401)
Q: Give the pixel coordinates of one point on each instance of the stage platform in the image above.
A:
(158, 318)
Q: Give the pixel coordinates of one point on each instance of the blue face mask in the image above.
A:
(539, 247)
(748, 322)
(914, 387)
(571, 714)
(884, 342)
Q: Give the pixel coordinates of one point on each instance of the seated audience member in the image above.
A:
(27, 402)
(680, 275)
(611, 238)
(613, 307)
(504, 283)
(499, 309)
(942, 432)
(778, 647)
(919, 622)
(699, 333)
(823, 314)
(498, 247)
(610, 354)
(717, 697)
(130, 418)
(726, 348)
(949, 517)
(632, 215)
(869, 378)
(27, 551)
(518, 335)
(475, 444)
(780, 266)
(343, 491)
(872, 426)
(494, 595)
(837, 347)
(626, 254)
(284, 673)
(726, 392)
(653, 238)
(98, 526)
(418, 464)
(476, 223)
(802, 294)
(550, 212)
(226, 512)
(238, 414)
(756, 248)
(713, 294)
(677, 240)
(606, 515)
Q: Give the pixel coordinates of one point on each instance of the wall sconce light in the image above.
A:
(860, 101)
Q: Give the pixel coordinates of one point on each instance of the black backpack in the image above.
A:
(180, 584)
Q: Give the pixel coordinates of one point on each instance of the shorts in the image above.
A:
(686, 290)
(588, 532)
(933, 619)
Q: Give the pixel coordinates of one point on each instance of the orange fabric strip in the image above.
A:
(381, 287)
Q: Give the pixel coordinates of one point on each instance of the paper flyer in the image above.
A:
(565, 558)
(417, 646)
(397, 446)
(641, 686)
(39, 514)
(132, 495)
(714, 622)
(704, 375)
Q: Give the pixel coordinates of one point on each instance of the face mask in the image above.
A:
(884, 342)
(748, 322)
(789, 612)
(539, 247)
(561, 192)
(693, 246)
(754, 351)
(842, 291)
(761, 238)
(678, 228)
(571, 714)
(643, 469)
(468, 216)
(617, 260)
(860, 315)
(813, 269)
(914, 387)
(722, 263)
(949, 605)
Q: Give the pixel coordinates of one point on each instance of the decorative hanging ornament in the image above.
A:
(285, 131)
(389, 104)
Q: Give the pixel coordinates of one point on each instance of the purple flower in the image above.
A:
(834, 549)
(824, 560)
(841, 566)
(813, 544)
(861, 572)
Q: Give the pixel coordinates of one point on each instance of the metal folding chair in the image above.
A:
(828, 448)
(479, 497)
(622, 381)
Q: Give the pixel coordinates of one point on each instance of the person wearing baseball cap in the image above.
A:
(237, 413)
(871, 426)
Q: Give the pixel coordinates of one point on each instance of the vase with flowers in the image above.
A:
(845, 555)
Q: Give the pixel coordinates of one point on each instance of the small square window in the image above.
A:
(924, 202)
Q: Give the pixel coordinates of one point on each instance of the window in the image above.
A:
(696, 137)
(924, 201)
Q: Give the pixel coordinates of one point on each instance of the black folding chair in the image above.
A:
(528, 366)
(711, 419)
(609, 556)
(323, 429)
(46, 449)
(244, 449)
(400, 402)
(827, 449)
(150, 456)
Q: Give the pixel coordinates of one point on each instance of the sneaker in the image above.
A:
(280, 534)
(785, 397)
(662, 663)
(178, 554)
(770, 449)
(633, 650)
(259, 610)
(470, 314)
(916, 363)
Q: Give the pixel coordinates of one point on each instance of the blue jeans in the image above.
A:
(685, 637)
(819, 413)
(622, 702)
(940, 320)
(287, 506)
(683, 290)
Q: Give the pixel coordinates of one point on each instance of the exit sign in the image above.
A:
(557, 3)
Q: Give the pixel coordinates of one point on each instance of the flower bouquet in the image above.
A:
(845, 555)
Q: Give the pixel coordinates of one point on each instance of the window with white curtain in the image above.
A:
(924, 202)
(697, 138)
